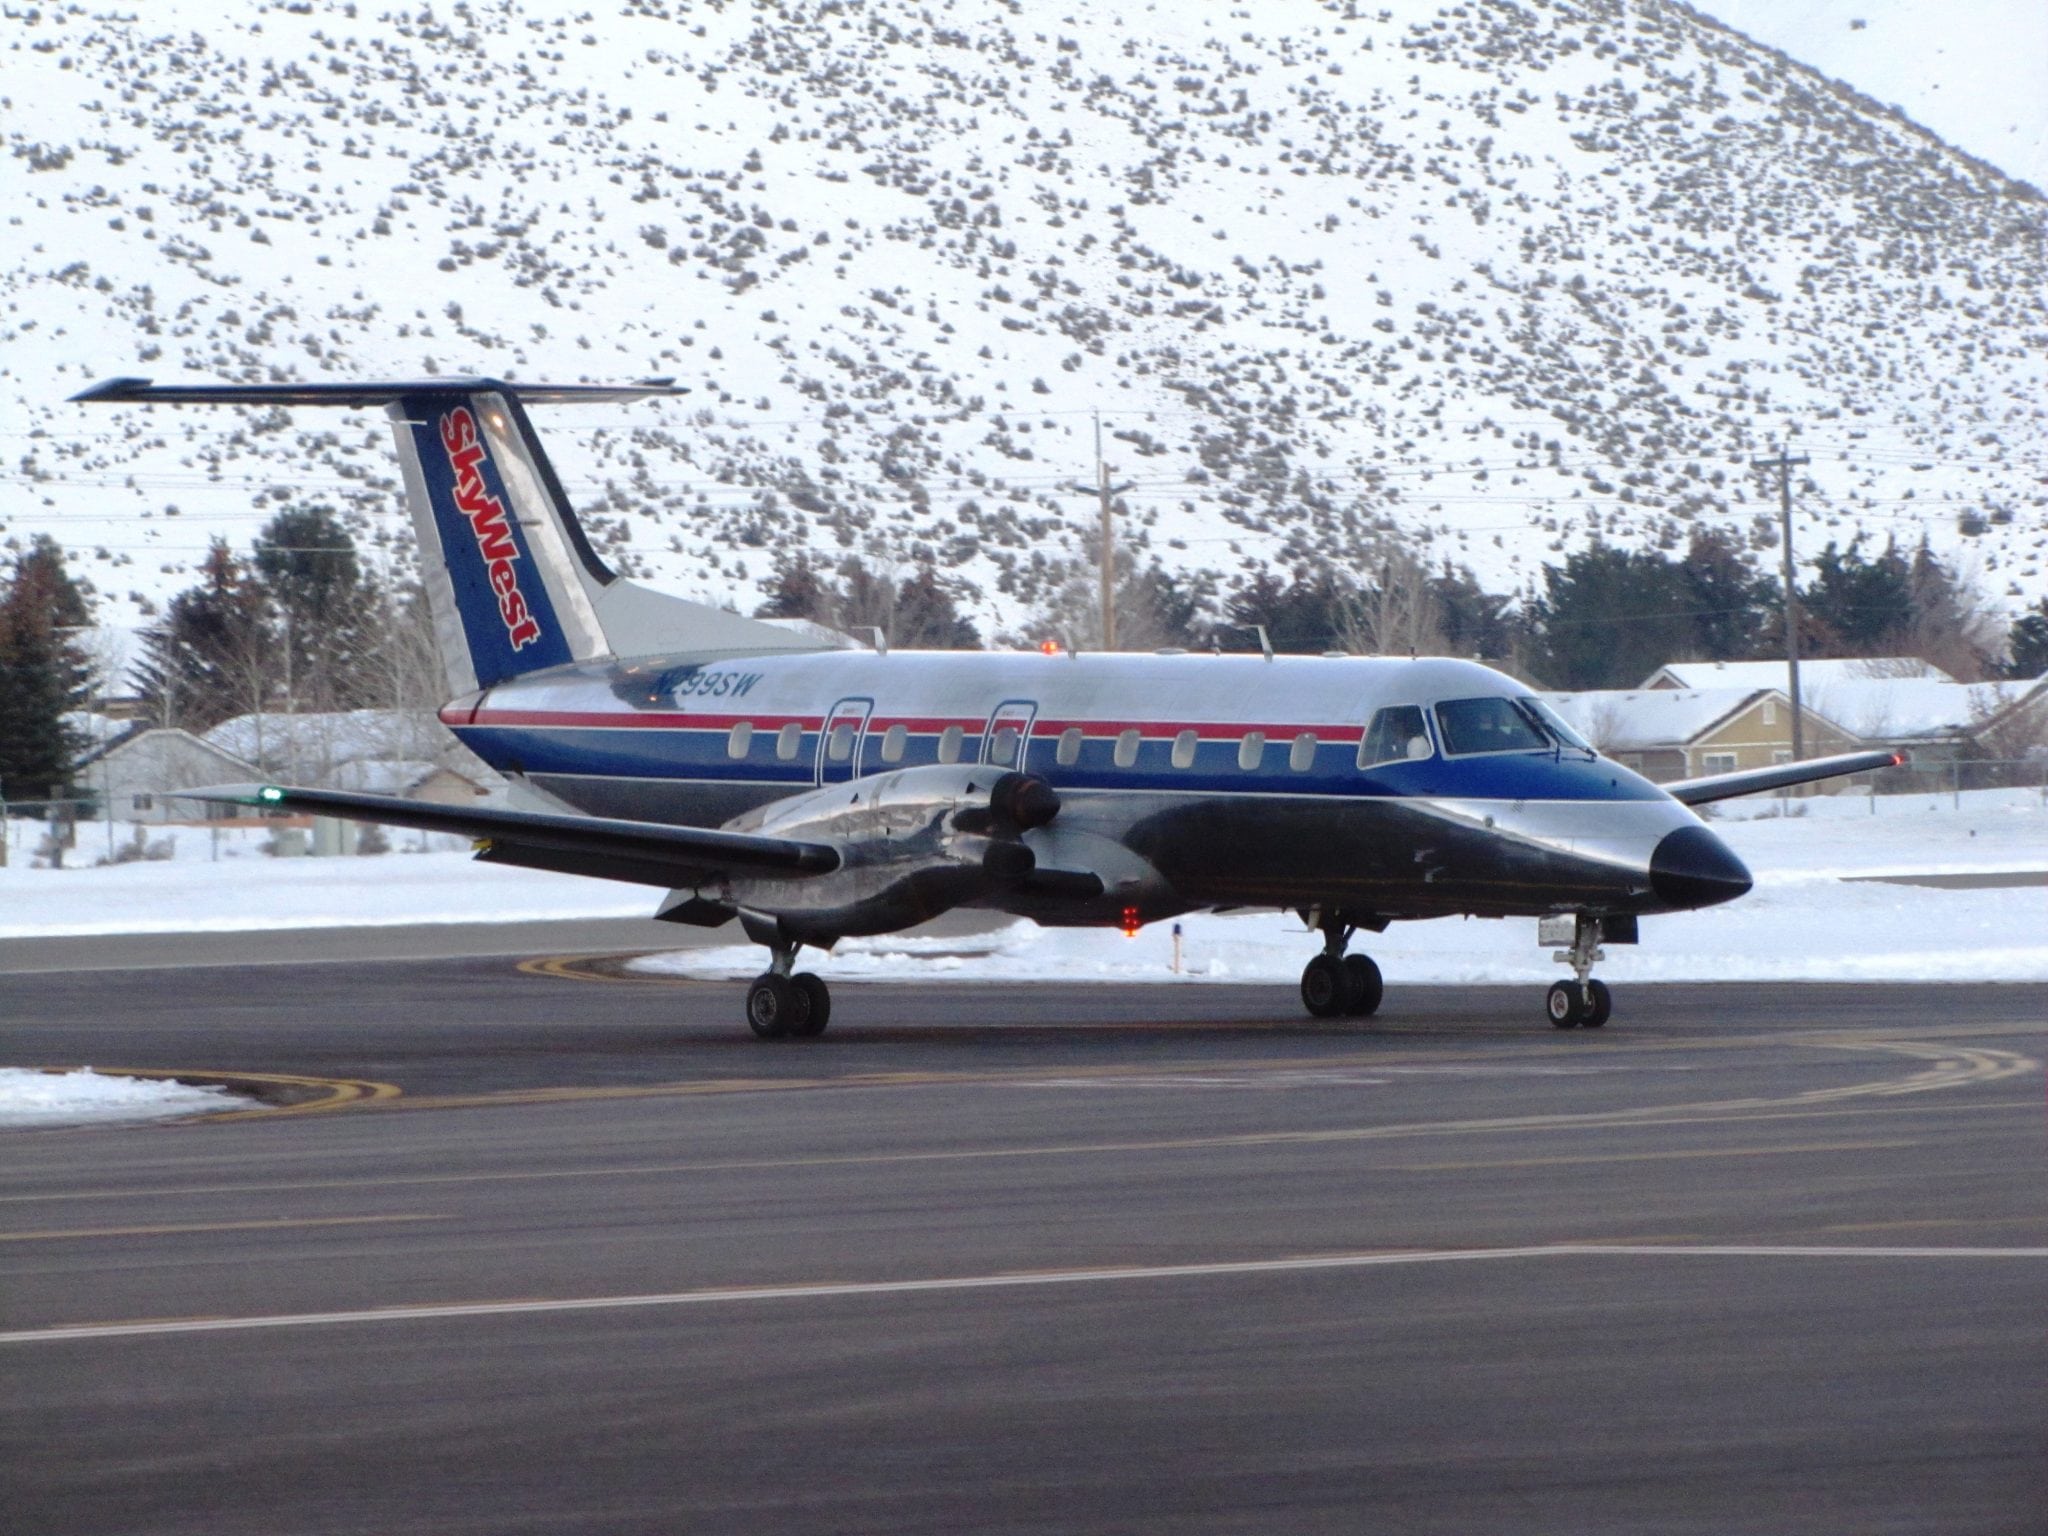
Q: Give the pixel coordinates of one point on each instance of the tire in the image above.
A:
(1565, 1005)
(772, 1006)
(1363, 987)
(1599, 1005)
(819, 1005)
(1322, 987)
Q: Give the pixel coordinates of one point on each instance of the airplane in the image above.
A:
(815, 793)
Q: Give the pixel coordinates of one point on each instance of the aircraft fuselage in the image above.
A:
(1186, 781)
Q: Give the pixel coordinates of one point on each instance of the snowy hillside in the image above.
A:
(1497, 276)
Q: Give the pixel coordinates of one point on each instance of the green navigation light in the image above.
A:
(270, 794)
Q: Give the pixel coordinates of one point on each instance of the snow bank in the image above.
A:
(86, 1097)
(1788, 929)
(1802, 920)
(241, 894)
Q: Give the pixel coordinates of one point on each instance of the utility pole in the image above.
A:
(1784, 463)
(1103, 491)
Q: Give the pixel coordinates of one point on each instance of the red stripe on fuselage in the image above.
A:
(672, 720)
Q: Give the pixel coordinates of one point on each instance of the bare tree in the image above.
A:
(1397, 612)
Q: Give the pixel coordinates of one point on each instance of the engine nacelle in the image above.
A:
(915, 843)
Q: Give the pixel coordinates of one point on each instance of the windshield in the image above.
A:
(1488, 725)
(1556, 725)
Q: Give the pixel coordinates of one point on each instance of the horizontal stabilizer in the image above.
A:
(642, 852)
(363, 393)
(1752, 781)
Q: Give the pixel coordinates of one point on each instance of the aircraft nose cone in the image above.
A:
(1693, 868)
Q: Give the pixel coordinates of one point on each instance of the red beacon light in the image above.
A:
(1131, 923)
(1048, 647)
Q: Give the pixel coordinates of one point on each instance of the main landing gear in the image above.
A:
(1582, 1002)
(784, 1005)
(1335, 983)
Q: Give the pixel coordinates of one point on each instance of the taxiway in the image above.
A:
(576, 1253)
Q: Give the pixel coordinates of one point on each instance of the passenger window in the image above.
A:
(742, 737)
(949, 744)
(1069, 752)
(839, 745)
(1184, 750)
(787, 740)
(1486, 725)
(1126, 748)
(1396, 735)
(1302, 756)
(1251, 750)
(893, 741)
(1002, 748)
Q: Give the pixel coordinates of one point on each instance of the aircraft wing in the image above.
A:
(642, 852)
(1750, 781)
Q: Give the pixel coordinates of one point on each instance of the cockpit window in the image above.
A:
(1395, 735)
(1488, 725)
(1556, 724)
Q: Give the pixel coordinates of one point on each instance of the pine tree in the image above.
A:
(1950, 624)
(2027, 643)
(1308, 612)
(305, 562)
(1732, 603)
(44, 672)
(217, 653)
(1856, 606)
(1609, 617)
(1474, 622)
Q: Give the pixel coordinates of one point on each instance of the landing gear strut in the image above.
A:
(781, 1004)
(1334, 982)
(1581, 1003)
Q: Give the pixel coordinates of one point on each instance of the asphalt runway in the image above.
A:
(537, 1247)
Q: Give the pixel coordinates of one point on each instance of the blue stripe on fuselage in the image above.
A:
(689, 754)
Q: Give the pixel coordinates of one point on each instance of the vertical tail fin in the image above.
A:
(511, 578)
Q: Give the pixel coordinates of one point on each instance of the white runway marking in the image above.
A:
(825, 1290)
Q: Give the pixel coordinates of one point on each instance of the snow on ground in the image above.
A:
(86, 1097)
(1802, 920)
(1786, 930)
(244, 890)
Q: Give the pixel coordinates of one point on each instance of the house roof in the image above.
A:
(1906, 708)
(1633, 719)
(314, 744)
(115, 746)
(388, 776)
(1812, 674)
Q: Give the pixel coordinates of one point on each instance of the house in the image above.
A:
(308, 748)
(320, 750)
(1882, 701)
(408, 780)
(1686, 733)
(131, 774)
(1934, 721)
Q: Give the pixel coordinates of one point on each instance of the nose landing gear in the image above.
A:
(1582, 1002)
(1335, 983)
